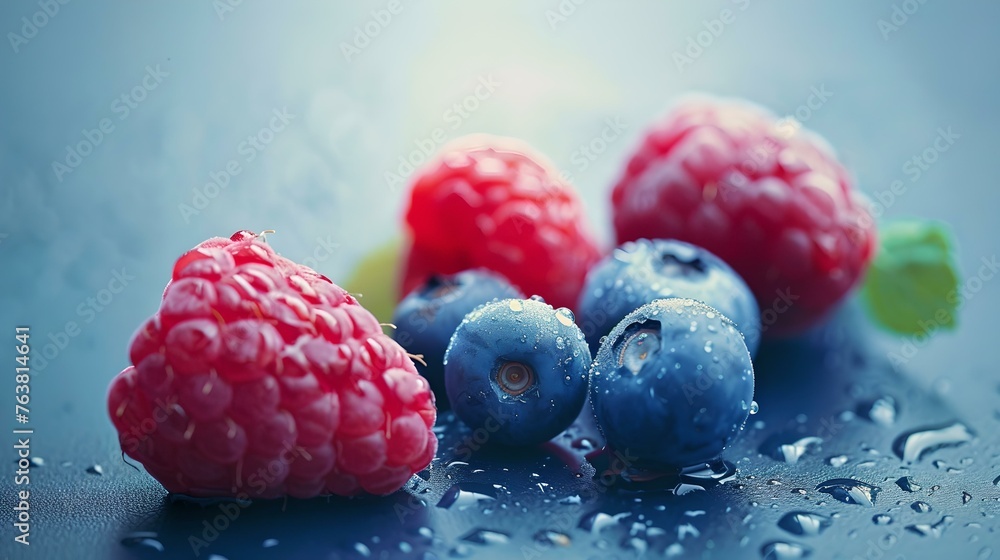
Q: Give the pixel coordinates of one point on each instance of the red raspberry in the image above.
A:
(767, 197)
(495, 203)
(259, 377)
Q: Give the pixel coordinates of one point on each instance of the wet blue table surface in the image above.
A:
(116, 115)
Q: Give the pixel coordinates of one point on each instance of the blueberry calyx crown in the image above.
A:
(681, 261)
(515, 378)
(637, 345)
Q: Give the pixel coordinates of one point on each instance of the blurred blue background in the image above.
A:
(199, 78)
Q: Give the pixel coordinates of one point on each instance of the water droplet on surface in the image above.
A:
(754, 407)
(362, 549)
(780, 448)
(985, 553)
(686, 529)
(486, 537)
(850, 491)
(882, 411)
(882, 519)
(800, 491)
(516, 305)
(145, 540)
(465, 495)
(708, 347)
(599, 521)
(907, 484)
(552, 538)
(565, 316)
(584, 444)
(920, 507)
(571, 500)
(694, 513)
(784, 551)
(838, 460)
(95, 469)
(966, 497)
(928, 530)
(460, 551)
(36, 462)
(911, 446)
(454, 464)
(707, 475)
(804, 523)
(674, 550)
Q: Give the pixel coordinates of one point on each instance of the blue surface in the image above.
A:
(321, 183)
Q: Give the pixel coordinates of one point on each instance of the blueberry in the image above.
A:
(518, 369)
(427, 317)
(672, 385)
(640, 271)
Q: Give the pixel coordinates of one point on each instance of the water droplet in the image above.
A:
(966, 497)
(985, 553)
(146, 540)
(882, 411)
(516, 305)
(780, 448)
(708, 346)
(709, 474)
(362, 549)
(928, 530)
(565, 316)
(599, 521)
(804, 523)
(571, 500)
(838, 460)
(466, 495)
(911, 446)
(920, 507)
(686, 529)
(36, 462)
(754, 407)
(882, 519)
(95, 469)
(454, 464)
(907, 484)
(800, 491)
(784, 551)
(850, 491)
(694, 513)
(774, 482)
(552, 538)
(460, 550)
(674, 550)
(486, 536)
(584, 444)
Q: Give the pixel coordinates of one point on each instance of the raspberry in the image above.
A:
(494, 203)
(259, 377)
(767, 197)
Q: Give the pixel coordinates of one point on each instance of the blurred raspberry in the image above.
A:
(763, 194)
(495, 203)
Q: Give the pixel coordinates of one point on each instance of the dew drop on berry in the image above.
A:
(754, 407)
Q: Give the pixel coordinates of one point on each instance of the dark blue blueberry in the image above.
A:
(429, 315)
(672, 385)
(517, 370)
(640, 271)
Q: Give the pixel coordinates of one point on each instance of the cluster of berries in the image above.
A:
(260, 377)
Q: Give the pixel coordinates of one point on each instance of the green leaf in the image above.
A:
(375, 279)
(911, 285)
